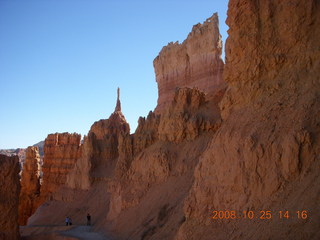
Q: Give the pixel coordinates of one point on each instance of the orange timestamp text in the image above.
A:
(263, 214)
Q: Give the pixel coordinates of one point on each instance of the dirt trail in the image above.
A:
(84, 233)
(52, 232)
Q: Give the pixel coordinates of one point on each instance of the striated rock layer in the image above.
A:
(61, 152)
(30, 185)
(9, 197)
(265, 156)
(194, 63)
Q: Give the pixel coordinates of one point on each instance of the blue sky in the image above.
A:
(62, 61)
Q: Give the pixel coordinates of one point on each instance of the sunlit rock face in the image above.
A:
(61, 152)
(30, 185)
(194, 63)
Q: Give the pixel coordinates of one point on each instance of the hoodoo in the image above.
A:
(196, 63)
(61, 152)
(30, 185)
(100, 147)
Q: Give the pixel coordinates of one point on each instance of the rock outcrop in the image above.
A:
(61, 152)
(188, 116)
(194, 63)
(269, 139)
(30, 185)
(9, 197)
(100, 149)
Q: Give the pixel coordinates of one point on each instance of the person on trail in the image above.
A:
(88, 219)
(70, 221)
(67, 221)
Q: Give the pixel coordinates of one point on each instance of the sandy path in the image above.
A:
(52, 232)
(83, 233)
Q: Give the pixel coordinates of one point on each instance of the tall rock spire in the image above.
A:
(118, 106)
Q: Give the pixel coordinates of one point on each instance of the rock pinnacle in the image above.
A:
(118, 106)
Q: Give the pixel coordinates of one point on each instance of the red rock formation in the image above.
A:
(188, 116)
(30, 185)
(194, 63)
(9, 197)
(268, 142)
(61, 152)
(160, 174)
(100, 149)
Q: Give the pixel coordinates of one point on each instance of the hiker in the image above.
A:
(67, 221)
(70, 221)
(88, 219)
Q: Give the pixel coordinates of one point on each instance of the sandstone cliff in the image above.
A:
(194, 63)
(30, 185)
(61, 152)
(266, 151)
(9, 197)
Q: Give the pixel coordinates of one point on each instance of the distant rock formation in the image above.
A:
(194, 63)
(30, 185)
(61, 152)
(21, 152)
(9, 197)
(100, 148)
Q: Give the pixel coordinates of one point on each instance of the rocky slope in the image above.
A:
(9, 197)
(30, 185)
(194, 63)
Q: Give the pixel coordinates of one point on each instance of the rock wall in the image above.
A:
(194, 63)
(9, 197)
(156, 167)
(188, 116)
(30, 185)
(269, 139)
(61, 152)
(100, 149)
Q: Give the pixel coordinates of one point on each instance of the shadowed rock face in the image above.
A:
(30, 185)
(9, 197)
(61, 152)
(194, 63)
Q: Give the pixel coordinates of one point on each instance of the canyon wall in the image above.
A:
(9, 197)
(254, 147)
(194, 63)
(30, 185)
(61, 152)
(269, 141)
(145, 198)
